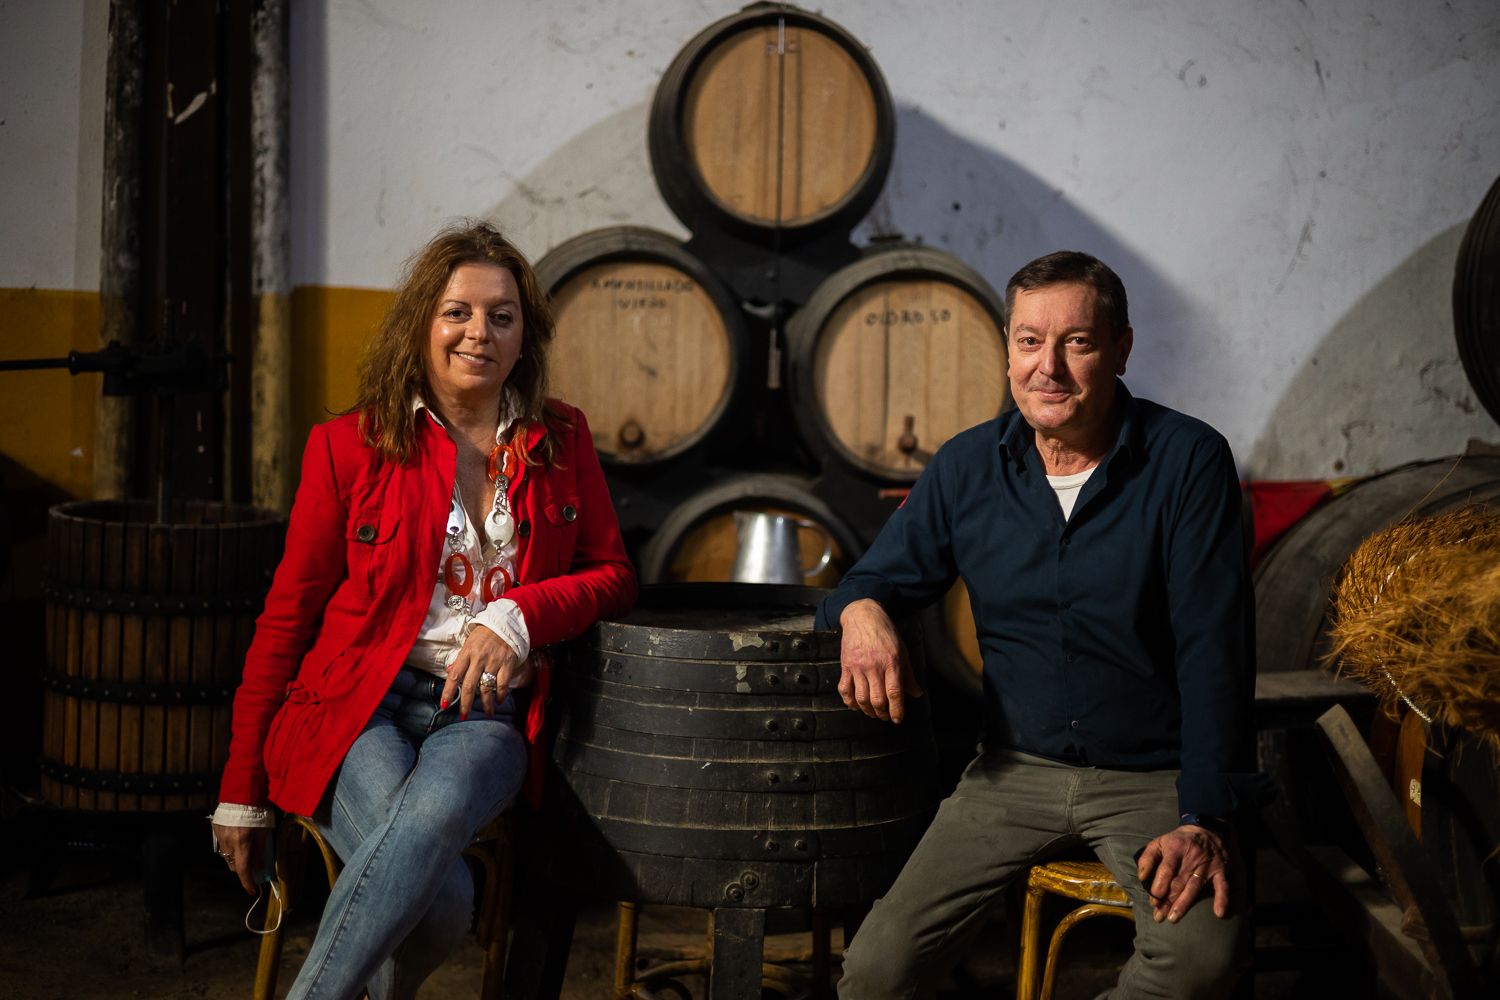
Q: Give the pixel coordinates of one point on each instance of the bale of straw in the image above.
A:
(1416, 617)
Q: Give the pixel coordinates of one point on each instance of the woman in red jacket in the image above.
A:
(449, 528)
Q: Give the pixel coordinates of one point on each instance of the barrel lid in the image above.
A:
(728, 621)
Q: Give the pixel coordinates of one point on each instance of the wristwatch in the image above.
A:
(1218, 824)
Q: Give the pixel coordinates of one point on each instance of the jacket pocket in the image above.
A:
(295, 724)
(367, 537)
(561, 513)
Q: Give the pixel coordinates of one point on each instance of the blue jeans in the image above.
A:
(414, 789)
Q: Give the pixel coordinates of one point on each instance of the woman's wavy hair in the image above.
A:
(393, 370)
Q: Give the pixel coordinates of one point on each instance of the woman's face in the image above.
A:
(476, 334)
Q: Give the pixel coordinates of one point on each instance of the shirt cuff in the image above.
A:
(504, 618)
(234, 814)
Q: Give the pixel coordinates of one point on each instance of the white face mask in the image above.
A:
(280, 910)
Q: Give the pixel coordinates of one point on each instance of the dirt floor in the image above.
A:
(83, 935)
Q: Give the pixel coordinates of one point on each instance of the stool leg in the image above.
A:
(1031, 932)
(289, 867)
(1067, 923)
(739, 938)
(822, 954)
(625, 947)
(497, 936)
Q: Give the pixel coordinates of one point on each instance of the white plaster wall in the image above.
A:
(52, 57)
(1282, 185)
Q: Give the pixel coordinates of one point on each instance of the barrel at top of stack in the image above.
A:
(774, 124)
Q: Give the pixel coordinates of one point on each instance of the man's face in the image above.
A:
(1063, 360)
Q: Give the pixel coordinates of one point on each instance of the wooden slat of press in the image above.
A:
(52, 702)
(154, 659)
(89, 756)
(180, 660)
(231, 569)
(72, 553)
(135, 577)
(205, 582)
(111, 576)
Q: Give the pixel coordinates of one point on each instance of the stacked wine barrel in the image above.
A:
(766, 363)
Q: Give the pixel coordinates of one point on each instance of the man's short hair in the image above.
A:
(1072, 266)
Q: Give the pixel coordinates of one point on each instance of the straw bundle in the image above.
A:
(1417, 619)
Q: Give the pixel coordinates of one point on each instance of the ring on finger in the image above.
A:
(487, 681)
(1195, 875)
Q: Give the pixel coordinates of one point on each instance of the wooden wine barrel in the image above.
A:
(892, 356)
(707, 759)
(1476, 301)
(147, 628)
(1294, 581)
(649, 343)
(773, 124)
(698, 540)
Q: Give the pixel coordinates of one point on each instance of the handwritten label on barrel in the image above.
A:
(651, 293)
(908, 317)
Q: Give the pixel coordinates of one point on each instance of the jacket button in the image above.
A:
(524, 529)
(570, 513)
(366, 533)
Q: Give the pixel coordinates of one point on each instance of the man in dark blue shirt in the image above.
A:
(1099, 538)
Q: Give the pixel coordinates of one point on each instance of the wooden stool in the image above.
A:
(1088, 881)
(630, 985)
(492, 849)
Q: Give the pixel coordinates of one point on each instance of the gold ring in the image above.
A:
(1195, 875)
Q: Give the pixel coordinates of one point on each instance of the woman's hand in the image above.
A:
(484, 652)
(242, 848)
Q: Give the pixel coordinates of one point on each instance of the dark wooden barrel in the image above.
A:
(773, 124)
(147, 628)
(893, 355)
(707, 760)
(1294, 581)
(698, 540)
(650, 344)
(1476, 301)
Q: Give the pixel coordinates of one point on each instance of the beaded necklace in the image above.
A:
(458, 574)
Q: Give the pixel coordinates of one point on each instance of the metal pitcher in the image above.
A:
(769, 552)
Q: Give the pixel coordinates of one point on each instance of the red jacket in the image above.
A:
(349, 597)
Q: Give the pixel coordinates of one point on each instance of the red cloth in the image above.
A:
(349, 597)
(1276, 505)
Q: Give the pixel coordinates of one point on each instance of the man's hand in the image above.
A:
(876, 674)
(484, 652)
(1178, 865)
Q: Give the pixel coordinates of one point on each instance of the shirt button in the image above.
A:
(570, 513)
(524, 529)
(1070, 657)
(1065, 542)
(1074, 723)
(366, 533)
(1066, 605)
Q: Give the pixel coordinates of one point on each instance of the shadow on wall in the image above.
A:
(943, 190)
(1385, 387)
